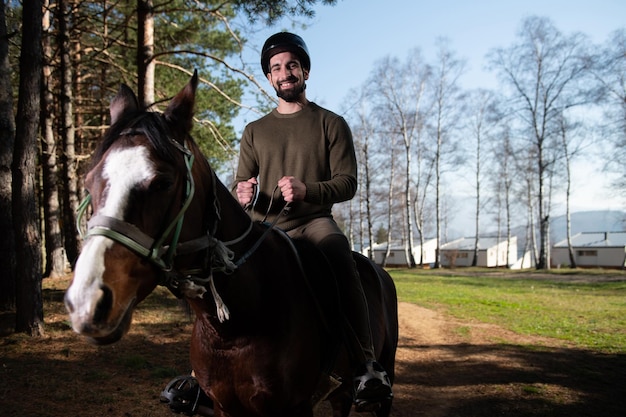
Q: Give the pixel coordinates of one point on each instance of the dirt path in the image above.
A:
(445, 368)
(448, 367)
(453, 368)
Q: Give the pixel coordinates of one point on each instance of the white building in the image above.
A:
(525, 261)
(492, 252)
(398, 253)
(592, 250)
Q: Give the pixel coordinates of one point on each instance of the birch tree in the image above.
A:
(447, 97)
(542, 71)
(609, 70)
(480, 106)
(564, 131)
(364, 133)
(503, 173)
(399, 94)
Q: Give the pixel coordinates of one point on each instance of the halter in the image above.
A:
(191, 282)
(129, 235)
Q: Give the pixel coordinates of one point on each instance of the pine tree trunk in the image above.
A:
(7, 138)
(55, 253)
(145, 52)
(67, 130)
(29, 303)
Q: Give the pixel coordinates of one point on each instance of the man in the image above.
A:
(303, 155)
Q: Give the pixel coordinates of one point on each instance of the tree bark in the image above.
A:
(29, 304)
(67, 131)
(368, 195)
(568, 178)
(55, 253)
(390, 206)
(7, 139)
(477, 187)
(145, 52)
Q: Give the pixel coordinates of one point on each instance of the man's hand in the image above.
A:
(292, 189)
(245, 191)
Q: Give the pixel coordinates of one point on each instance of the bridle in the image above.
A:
(130, 235)
(190, 282)
(162, 254)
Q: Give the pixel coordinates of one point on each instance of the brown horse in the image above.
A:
(263, 343)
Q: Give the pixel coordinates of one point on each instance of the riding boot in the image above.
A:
(371, 383)
(183, 395)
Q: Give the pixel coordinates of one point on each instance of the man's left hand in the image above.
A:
(292, 189)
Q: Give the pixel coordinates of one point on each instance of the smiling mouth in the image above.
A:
(289, 83)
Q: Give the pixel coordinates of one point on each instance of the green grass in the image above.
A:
(134, 362)
(592, 315)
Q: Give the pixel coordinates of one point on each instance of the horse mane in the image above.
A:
(152, 124)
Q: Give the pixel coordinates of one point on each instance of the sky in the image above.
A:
(346, 40)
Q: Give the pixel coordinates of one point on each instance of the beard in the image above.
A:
(291, 95)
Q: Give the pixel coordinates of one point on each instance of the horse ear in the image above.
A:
(124, 101)
(180, 109)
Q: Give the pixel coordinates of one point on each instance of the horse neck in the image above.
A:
(252, 300)
(231, 220)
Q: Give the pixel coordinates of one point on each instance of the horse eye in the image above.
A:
(161, 184)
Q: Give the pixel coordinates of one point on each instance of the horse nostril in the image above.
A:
(68, 304)
(104, 305)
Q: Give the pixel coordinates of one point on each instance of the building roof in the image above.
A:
(398, 245)
(596, 240)
(467, 243)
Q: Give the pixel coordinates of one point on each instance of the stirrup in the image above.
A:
(371, 387)
(183, 395)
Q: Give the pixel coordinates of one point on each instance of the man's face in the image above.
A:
(287, 76)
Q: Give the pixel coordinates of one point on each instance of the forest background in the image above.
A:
(559, 96)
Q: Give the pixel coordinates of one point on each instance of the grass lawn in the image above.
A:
(590, 313)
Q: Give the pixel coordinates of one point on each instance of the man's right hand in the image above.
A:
(245, 191)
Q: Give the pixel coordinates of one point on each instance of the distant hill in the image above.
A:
(588, 221)
(582, 221)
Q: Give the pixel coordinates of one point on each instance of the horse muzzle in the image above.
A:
(97, 319)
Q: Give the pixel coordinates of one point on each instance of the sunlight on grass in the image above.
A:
(589, 314)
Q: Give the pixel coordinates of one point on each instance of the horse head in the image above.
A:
(141, 186)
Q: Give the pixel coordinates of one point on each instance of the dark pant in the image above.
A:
(324, 233)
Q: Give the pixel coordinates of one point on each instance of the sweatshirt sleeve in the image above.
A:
(248, 165)
(342, 184)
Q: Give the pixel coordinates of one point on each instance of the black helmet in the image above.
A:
(283, 42)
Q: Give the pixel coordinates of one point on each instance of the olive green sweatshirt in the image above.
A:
(313, 145)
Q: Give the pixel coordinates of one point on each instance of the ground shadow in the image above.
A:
(69, 377)
(514, 381)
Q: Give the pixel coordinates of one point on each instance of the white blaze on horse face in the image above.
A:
(124, 170)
